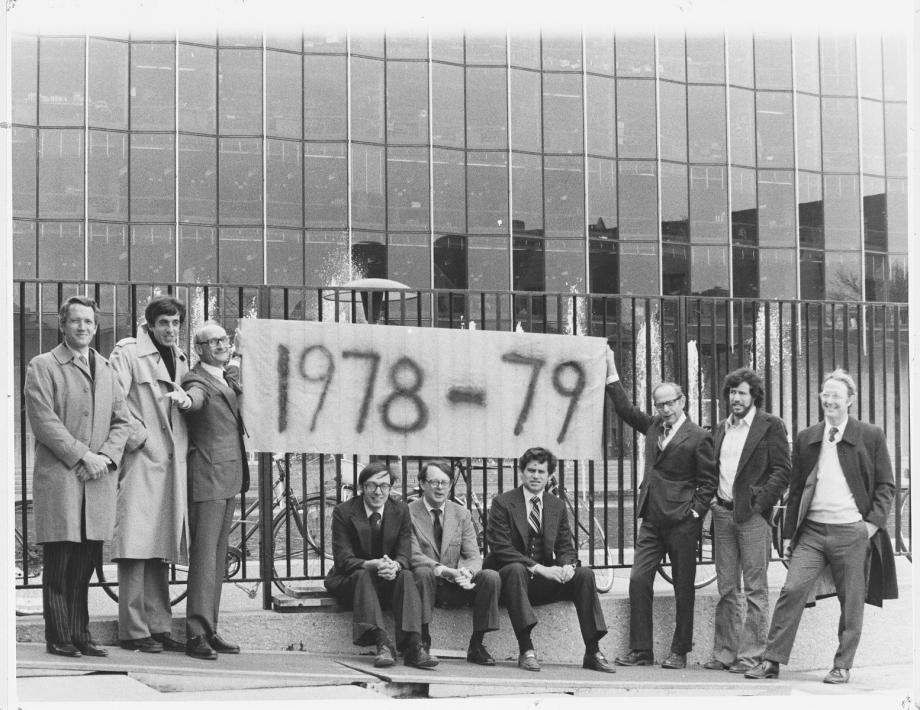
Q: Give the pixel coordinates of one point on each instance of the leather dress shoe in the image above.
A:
(837, 676)
(63, 649)
(675, 660)
(89, 648)
(420, 658)
(764, 669)
(739, 667)
(479, 655)
(635, 658)
(528, 661)
(146, 644)
(198, 647)
(596, 662)
(386, 656)
(714, 664)
(222, 646)
(169, 643)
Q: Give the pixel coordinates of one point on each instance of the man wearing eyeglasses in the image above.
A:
(372, 549)
(444, 541)
(677, 486)
(217, 473)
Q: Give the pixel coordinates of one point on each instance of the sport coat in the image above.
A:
(217, 465)
(863, 454)
(683, 474)
(458, 538)
(509, 531)
(351, 538)
(763, 467)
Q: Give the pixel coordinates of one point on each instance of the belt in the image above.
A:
(727, 504)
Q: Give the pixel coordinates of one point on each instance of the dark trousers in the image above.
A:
(68, 567)
(367, 595)
(209, 525)
(679, 541)
(520, 593)
(845, 548)
(483, 597)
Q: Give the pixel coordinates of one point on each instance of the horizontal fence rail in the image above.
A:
(692, 340)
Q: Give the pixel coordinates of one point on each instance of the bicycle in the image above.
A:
(705, 557)
(28, 557)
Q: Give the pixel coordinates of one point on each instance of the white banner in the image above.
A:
(399, 390)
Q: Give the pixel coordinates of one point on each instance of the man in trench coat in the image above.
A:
(78, 416)
(151, 529)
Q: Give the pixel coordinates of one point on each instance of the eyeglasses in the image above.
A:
(374, 487)
(214, 342)
(670, 403)
(437, 484)
(833, 396)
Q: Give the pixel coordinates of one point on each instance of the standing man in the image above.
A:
(445, 542)
(372, 547)
(217, 473)
(530, 544)
(675, 493)
(80, 423)
(753, 456)
(150, 523)
(840, 492)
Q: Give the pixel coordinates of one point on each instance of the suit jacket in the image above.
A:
(458, 538)
(863, 455)
(509, 531)
(683, 475)
(351, 538)
(70, 414)
(217, 465)
(763, 468)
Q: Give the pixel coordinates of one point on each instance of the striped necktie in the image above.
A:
(534, 518)
(663, 436)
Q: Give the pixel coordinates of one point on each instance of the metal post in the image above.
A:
(266, 569)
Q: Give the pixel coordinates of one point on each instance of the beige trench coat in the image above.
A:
(70, 415)
(151, 520)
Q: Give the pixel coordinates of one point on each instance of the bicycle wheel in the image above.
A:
(318, 524)
(592, 544)
(288, 547)
(705, 557)
(178, 583)
(28, 555)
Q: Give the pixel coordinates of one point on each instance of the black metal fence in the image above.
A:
(689, 339)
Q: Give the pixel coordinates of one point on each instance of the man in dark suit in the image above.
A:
(675, 493)
(445, 542)
(217, 473)
(372, 548)
(530, 544)
(753, 457)
(840, 493)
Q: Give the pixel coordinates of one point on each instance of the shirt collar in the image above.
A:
(430, 507)
(840, 428)
(76, 353)
(677, 424)
(370, 511)
(528, 496)
(217, 372)
(746, 419)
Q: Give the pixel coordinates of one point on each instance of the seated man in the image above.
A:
(445, 542)
(371, 545)
(530, 545)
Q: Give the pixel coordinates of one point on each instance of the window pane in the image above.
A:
(369, 258)
(811, 210)
(486, 108)
(485, 49)
(198, 254)
(565, 199)
(599, 54)
(897, 215)
(673, 99)
(529, 271)
(107, 177)
(450, 269)
(489, 263)
(487, 192)
(449, 191)
(153, 253)
(407, 102)
(675, 270)
(705, 59)
(240, 181)
(197, 89)
(744, 207)
(842, 276)
(326, 258)
(367, 100)
(774, 129)
(108, 252)
(153, 174)
(601, 107)
(639, 268)
(525, 50)
(841, 211)
(745, 283)
(240, 39)
(708, 204)
(741, 60)
(368, 45)
(602, 198)
(24, 75)
(60, 252)
(776, 195)
(284, 183)
(153, 88)
(806, 63)
(707, 123)
(447, 108)
(561, 52)
(839, 135)
(672, 58)
(284, 251)
(526, 110)
(239, 83)
(811, 267)
(635, 55)
(638, 185)
(326, 185)
(108, 84)
(197, 179)
(527, 196)
(636, 119)
(808, 131)
(406, 46)
(332, 40)
(896, 139)
(60, 174)
(777, 269)
(282, 40)
(895, 58)
(24, 250)
(709, 271)
(773, 60)
(23, 162)
(407, 189)
(562, 114)
(283, 94)
(565, 269)
(240, 255)
(604, 267)
(742, 126)
(875, 218)
(324, 97)
(870, 67)
(410, 260)
(872, 127)
(447, 47)
(368, 197)
(675, 224)
(838, 65)
(60, 80)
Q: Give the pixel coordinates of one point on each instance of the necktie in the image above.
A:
(438, 529)
(832, 434)
(664, 435)
(376, 537)
(535, 514)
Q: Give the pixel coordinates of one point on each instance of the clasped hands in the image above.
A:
(92, 466)
(385, 568)
(461, 576)
(555, 574)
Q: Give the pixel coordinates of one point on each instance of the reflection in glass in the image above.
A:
(870, 67)
(745, 281)
(872, 128)
(675, 269)
(525, 49)
(841, 211)
(706, 108)
(60, 174)
(153, 86)
(777, 268)
(875, 214)
(323, 97)
(367, 100)
(839, 135)
(774, 129)
(488, 263)
(673, 98)
(108, 84)
(447, 105)
(153, 252)
(239, 82)
(639, 268)
(708, 205)
(895, 61)
(562, 114)
(776, 195)
(369, 258)
(599, 53)
(709, 271)
(602, 198)
(449, 257)
(603, 266)
(838, 65)
(284, 183)
(808, 131)
(601, 107)
(705, 59)
(448, 190)
(672, 57)
(526, 110)
(240, 256)
(447, 47)
(842, 274)
(638, 185)
(326, 259)
(368, 195)
(564, 198)
(240, 182)
(529, 266)
(108, 252)
(487, 192)
(292, 42)
(486, 108)
(811, 210)
(367, 44)
(326, 185)
(567, 269)
(561, 52)
(197, 179)
(60, 253)
(407, 46)
(744, 206)
(24, 79)
(635, 55)
(407, 102)
(25, 259)
(773, 61)
(527, 193)
(283, 94)
(741, 60)
(60, 81)
(636, 119)
(896, 139)
(332, 40)
(198, 254)
(410, 260)
(741, 127)
(811, 274)
(284, 253)
(198, 89)
(106, 180)
(897, 214)
(23, 165)
(886, 278)
(675, 223)
(484, 48)
(807, 74)
(407, 189)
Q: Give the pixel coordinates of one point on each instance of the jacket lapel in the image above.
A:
(519, 512)
(676, 439)
(551, 514)
(717, 439)
(421, 521)
(846, 449)
(390, 525)
(362, 525)
(755, 434)
(450, 524)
